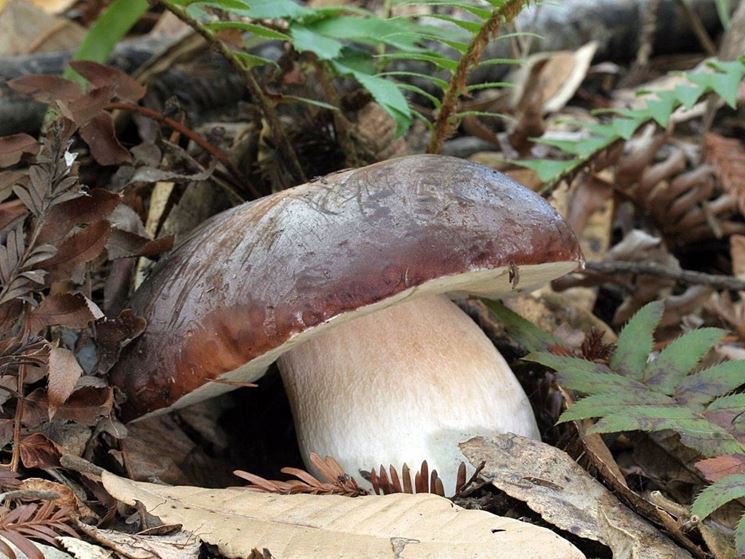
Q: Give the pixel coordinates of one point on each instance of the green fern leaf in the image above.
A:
(661, 107)
(705, 385)
(734, 403)
(547, 169)
(635, 341)
(718, 494)
(678, 359)
(610, 403)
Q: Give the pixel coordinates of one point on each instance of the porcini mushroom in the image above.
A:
(344, 280)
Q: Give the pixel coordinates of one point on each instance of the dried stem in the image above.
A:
(657, 270)
(15, 457)
(267, 108)
(443, 124)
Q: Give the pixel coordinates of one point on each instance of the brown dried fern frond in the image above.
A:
(334, 481)
(42, 521)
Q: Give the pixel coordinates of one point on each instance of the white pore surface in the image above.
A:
(404, 384)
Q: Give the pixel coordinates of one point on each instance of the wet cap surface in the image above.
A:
(251, 279)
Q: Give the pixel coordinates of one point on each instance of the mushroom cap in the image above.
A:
(256, 280)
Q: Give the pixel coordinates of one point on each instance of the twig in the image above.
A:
(15, 457)
(653, 269)
(443, 125)
(698, 28)
(267, 109)
(341, 124)
(202, 142)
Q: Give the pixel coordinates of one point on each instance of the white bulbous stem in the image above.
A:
(402, 385)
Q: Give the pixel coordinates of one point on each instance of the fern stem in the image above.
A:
(15, 457)
(444, 125)
(267, 108)
(341, 123)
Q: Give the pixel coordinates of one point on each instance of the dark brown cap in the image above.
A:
(258, 279)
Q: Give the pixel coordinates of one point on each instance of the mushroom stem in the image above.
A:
(402, 385)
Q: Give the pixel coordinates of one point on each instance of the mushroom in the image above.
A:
(344, 280)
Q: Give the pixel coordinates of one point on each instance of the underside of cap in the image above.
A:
(263, 277)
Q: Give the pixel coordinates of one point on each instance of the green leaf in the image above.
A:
(259, 9)
(385, 92)
(734, 403)
(625, 127)
(612, 403)
(436, 59)
(110, 27)
(581, 148)
(547, 170)
(370, 30)
(416, 89)
(661, 108)
(442, 84)
(719, 494)
(470, 26)
(636, 340)
(524, 332)
(490, 85)
(680, 357)
(697, 433)
(255, 28)
(251, 60)
(689, 94)
(725, 84)
(740, 537)
(715, 381)
(305, 39)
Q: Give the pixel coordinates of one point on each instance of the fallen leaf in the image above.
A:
(715, 469)
(13, 147)
(99, 75)
(312, 526)
(114, 334)
(46, 88)
(64, 372)
(73, 310)
(78, 248)
(551, 483)
(105, 148)
(37, 451)
(85, 209)
(123, 244)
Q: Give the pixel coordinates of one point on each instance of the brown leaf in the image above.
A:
(73, 310)
(13, 147)
(46, 88)
(99, 134)
(10, 212)
(84, 108)
(715, 469)
(37, 451)
(87, 406)
(64, 372)
(95, 206)
(113, 335)
(79, 248)
(125, 87)
(123, 244)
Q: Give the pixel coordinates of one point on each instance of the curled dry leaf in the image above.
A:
(318, 527)
(715, 469)
(85, 209)
(124, 244)
(37, 451)
(114, 334)
(99, 75)
(551, 483)
(64, 372)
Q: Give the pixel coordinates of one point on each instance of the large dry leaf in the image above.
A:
(311, 526)
(64, 372)
(557, 488)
